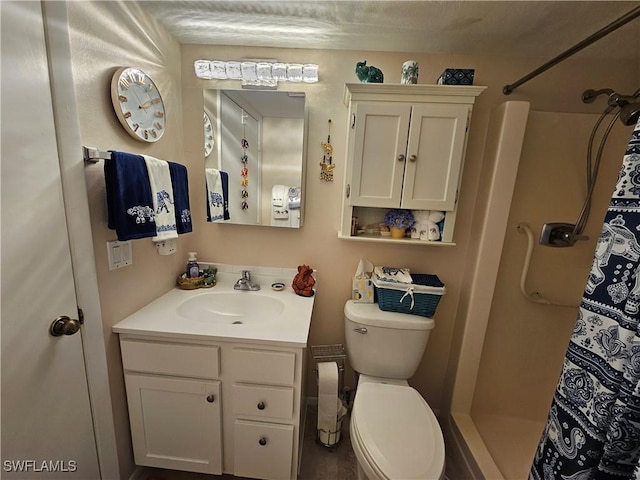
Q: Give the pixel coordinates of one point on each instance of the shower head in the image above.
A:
(630, 113)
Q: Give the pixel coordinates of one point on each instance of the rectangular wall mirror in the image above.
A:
(265, 173)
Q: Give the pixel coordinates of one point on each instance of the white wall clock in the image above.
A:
(138, 104)
(209, 141)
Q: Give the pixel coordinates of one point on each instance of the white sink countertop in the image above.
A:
(289, 327)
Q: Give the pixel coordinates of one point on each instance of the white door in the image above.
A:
(47, 429)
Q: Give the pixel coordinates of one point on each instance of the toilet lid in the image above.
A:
(398, 432)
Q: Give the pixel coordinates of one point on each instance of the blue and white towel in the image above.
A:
(392, 274)
(180, 183)
(217, 195)
(129, 198)
(163, 203)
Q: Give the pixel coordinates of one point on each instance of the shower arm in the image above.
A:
(535, 296)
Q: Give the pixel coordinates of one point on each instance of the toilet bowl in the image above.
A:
(394, 433)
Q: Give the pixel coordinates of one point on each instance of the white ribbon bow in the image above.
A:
(409, 292)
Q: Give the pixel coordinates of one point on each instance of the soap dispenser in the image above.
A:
(193, 269)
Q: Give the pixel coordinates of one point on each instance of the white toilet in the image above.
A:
(394, 433)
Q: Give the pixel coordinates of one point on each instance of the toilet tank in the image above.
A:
(384, 344)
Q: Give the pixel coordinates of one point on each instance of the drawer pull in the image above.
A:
(401, 158)
(261, 406)
(211, 398)
(263, 441)
(413, 158)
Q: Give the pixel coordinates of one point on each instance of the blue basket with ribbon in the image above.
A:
(421, 297)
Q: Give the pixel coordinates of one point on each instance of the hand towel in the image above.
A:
(217, 195)
(163, 203)
(180, 183)
(129, 198)
(392, 274)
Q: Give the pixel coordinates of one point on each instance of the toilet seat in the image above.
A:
(396, 433)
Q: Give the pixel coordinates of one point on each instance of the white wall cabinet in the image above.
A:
(405, 149)
(215, 408)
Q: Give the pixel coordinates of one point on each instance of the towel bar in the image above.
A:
(91, 154)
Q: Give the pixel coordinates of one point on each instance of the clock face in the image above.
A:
(138, 104)
(208, 135)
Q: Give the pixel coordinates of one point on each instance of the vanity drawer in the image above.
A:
(273, 402)
(263, 366)
(262, 450)
(184, 360)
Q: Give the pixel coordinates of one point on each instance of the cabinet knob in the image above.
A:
(413, 158)
(211, 398)
(401, 158)
(262, 441)
(261, 406)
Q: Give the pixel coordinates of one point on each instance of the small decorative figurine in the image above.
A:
(303, 282)
(368, 74)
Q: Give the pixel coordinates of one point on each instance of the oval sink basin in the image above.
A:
(231, 308)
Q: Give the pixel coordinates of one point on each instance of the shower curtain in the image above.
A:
(593, 427)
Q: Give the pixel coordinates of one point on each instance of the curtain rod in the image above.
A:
(626, 18)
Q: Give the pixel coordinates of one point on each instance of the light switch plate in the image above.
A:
(119, 254)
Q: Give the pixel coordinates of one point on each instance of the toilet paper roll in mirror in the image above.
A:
(327, 396)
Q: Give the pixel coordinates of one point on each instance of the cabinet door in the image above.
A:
(379, 148)
(175, 423)
(434, 156)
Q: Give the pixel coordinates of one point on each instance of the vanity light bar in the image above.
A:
(256, 73)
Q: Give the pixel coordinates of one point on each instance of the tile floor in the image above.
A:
(318, 462)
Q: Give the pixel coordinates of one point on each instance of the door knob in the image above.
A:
(263, 441)
(413, 158)
(211, 398)
(401, 158)
(64, 325)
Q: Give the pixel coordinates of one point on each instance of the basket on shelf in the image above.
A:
(421, 297)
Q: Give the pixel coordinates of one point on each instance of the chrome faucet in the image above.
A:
(245, 283)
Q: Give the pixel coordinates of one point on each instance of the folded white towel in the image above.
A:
(163, 203)
(215, 196)
(392, 274)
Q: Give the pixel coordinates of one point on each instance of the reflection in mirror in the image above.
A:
(260, 146)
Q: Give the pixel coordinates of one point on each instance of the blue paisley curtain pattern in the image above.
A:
(593, 428)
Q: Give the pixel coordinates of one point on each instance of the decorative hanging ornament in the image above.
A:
(327, 166)
(244, 172)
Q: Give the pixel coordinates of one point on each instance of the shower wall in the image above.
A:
(525, 342)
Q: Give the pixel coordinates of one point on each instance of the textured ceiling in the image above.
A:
(511, 28)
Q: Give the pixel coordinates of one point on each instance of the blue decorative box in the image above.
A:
(457, 76)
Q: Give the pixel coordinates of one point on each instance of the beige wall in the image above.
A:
(107, 35)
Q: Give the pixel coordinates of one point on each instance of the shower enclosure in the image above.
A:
(511, 349)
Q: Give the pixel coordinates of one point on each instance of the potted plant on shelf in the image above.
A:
(398, 220)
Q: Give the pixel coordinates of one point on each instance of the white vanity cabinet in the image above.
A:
(405, 149)
(215, 407)
(174, 404)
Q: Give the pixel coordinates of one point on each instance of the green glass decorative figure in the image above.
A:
(368, 74)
